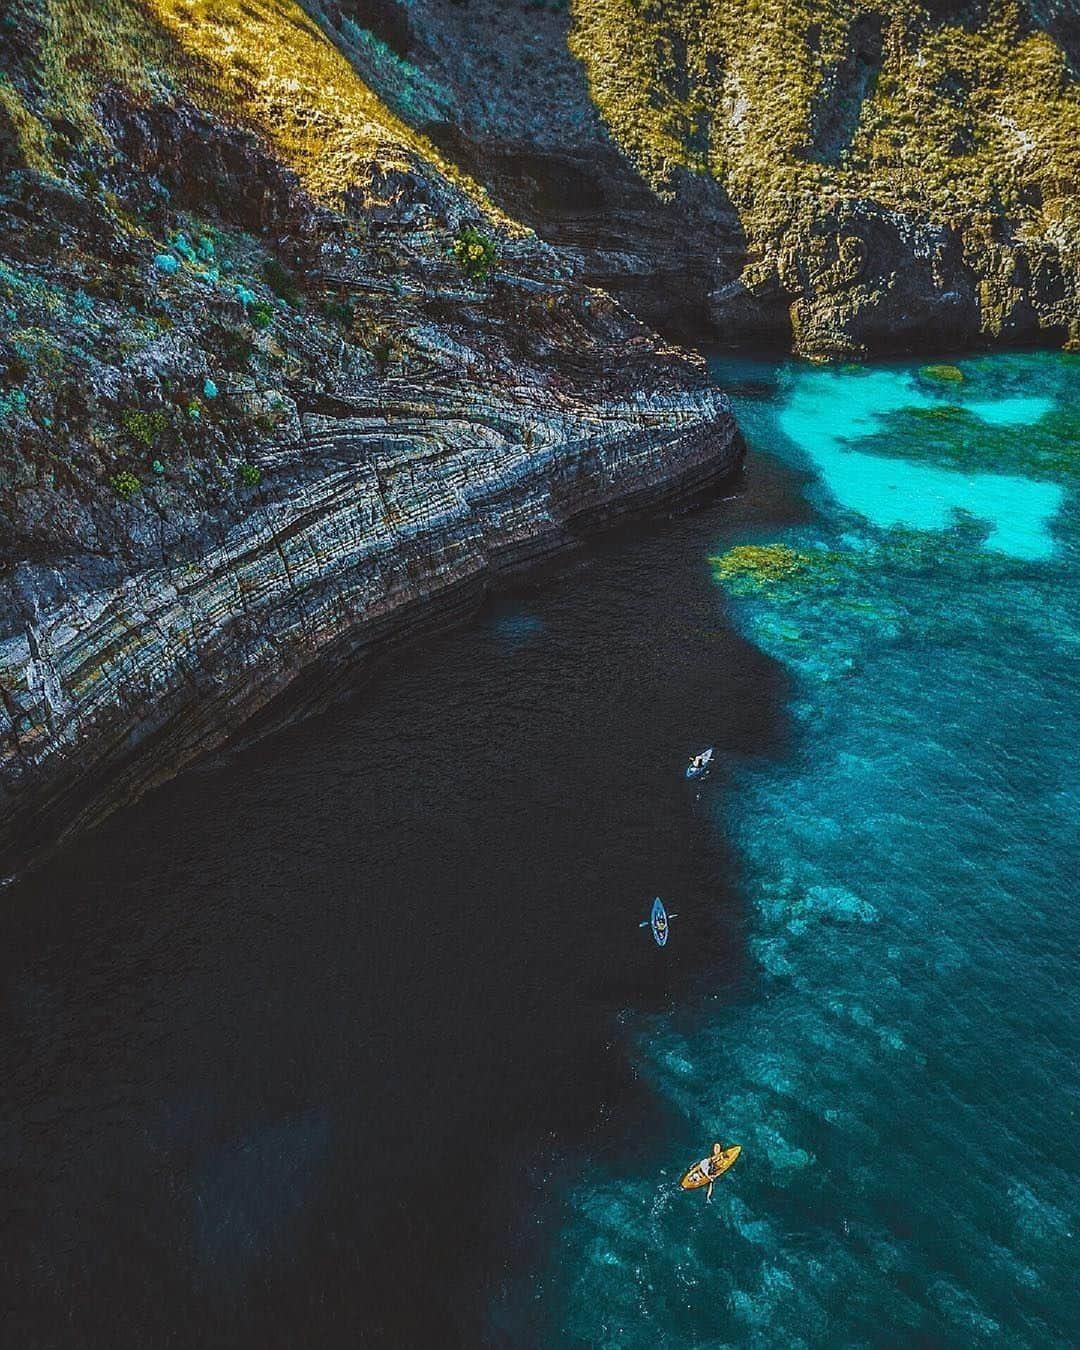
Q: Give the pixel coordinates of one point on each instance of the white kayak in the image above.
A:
(699, 765)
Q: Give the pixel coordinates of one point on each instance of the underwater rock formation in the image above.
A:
(277, 385)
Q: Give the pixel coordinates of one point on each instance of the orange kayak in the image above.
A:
(718, 1165)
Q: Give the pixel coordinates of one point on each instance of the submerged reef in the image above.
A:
(750, 567)
(278, 384)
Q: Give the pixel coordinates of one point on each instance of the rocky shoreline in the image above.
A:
(230, 486)
(269, 401)
(840, 181)
(280, 382)
(114, 690)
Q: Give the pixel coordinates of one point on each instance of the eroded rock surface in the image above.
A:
(250, 421)
(843, 178)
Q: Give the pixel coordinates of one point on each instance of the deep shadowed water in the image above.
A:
(291, 1047)
(354, 1039)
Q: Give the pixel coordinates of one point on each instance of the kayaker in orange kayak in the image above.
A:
(705, 1172)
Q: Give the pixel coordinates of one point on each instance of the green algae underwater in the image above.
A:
(901, 1069)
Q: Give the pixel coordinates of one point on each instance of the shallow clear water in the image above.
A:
(901, 1067)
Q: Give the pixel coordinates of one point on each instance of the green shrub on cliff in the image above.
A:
(475, 252)
(340, 311)
(235, 346)
(124, 484)
(143, 427)
(260, 313)
(281, 281)
(13, 403)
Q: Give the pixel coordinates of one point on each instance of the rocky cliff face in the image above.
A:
(499, 89)
(840, 178)
(277, 384)
(284, 370)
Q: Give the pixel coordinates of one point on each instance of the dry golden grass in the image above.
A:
(90, 43)
(29, 130)
(261, 64)
(266, 64)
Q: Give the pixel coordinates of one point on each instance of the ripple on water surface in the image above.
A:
(902, 1077)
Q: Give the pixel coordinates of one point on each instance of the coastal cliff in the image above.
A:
(277, 384)
(314, 317)
(838, 179)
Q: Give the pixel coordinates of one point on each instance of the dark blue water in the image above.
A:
(354, 1039)
(291, 1050)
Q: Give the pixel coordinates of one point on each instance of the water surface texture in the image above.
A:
(902, 1070)
(293, 1051)
(353, 1038)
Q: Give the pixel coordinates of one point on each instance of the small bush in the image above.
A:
(340, 311)
(261, 313)
(235, 346)
(281, 281)
(475, 252)
(13, 403)
(124, 484)
(143, 427)
(182, 244)
(250, 475)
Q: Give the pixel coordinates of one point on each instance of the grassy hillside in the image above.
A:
(259, 64)
(809, 96)
(205, 216)
(965, 117)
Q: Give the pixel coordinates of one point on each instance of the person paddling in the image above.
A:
(699, 765)
(711, 1167)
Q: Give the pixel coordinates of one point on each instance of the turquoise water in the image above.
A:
(900, 1062)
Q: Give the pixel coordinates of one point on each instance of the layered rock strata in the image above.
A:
(251, 421)
(377, 509)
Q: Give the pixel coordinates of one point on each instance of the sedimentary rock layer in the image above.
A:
(262, 408)
(385, 509)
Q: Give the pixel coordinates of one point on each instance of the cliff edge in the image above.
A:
(277, 383)
(840, 179)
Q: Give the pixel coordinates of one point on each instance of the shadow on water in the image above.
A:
(295, 1047)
